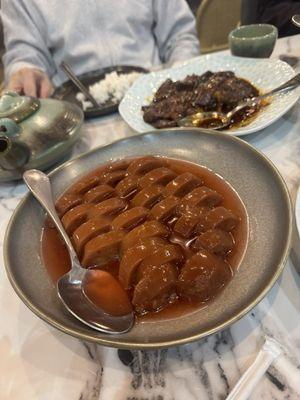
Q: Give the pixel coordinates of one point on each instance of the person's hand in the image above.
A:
(31, 82)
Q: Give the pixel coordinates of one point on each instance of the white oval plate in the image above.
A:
(265, 74)
(297, 211)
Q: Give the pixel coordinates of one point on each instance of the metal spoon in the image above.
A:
(71, 74)
(296, 20)
(69, 286)
(222, 120)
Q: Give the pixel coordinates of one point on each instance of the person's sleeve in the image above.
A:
(25, 38)
(175, 31)
(279, 13)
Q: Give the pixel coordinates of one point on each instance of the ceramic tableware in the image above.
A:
(257, 40)
(35, 133)
(250, 173)
(265, 74)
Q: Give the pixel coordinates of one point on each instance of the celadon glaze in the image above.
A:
(46, 129)
(257, 40)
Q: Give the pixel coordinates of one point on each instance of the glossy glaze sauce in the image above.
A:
(56, 260)
(241, 119)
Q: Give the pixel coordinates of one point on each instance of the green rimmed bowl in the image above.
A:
(254, 41)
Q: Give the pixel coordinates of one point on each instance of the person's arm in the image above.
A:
(27, 60)
(175, 31)
(279, 13)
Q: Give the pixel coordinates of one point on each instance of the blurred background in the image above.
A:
(1, 49)
(223, 14)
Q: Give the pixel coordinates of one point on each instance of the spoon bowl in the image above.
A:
(73, 297)
(70, 287)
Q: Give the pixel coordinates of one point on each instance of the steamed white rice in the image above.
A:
(113, 87)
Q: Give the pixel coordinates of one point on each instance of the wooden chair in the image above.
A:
(215, 19)
(1, 52)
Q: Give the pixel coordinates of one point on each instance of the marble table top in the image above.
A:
(38, 362)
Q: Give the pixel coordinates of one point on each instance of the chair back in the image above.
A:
(215, 19)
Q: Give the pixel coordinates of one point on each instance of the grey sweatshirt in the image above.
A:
(91, 34)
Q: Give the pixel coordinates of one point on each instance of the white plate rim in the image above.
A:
(135, 124)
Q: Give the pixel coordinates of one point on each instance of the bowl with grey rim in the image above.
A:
(251, 174)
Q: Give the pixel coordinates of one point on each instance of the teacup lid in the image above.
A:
(17, 107)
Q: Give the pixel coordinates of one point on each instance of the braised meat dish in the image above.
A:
(166, 230)
(219, 91)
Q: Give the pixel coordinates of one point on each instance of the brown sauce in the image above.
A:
(212, 91)
(171, 302)
(239, 120)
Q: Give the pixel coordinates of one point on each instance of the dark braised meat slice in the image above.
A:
(191, 82)
(208, 92)
(165, 90)
(89, 230)
(66, 202)
(130, 218)
(232, 91)
(167, 111)
(216, 241)
(134, 256)
(156, 289)
(205, 97)
(147, 229)
(102, 249)
(202, 276)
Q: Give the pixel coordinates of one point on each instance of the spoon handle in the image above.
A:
(290, 84)
(39, 185)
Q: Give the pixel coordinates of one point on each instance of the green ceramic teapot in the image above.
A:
(35, 133)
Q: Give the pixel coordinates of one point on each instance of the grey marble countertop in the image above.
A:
(39, 363)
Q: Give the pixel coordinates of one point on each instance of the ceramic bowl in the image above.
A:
(257, 40)
(251, 174)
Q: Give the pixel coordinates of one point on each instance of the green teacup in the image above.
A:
(257, 40)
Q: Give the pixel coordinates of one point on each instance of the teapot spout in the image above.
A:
(13, 154)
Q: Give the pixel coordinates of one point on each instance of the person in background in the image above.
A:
(279, 13)
(90, 35)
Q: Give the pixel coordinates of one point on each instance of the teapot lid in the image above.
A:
(17, 107)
